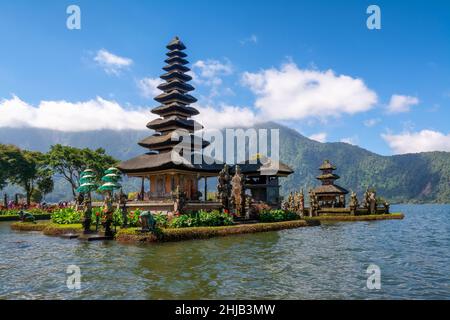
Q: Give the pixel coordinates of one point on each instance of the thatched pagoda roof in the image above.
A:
(167, 141)
(151, 162)
(330, 189)
(326, 165)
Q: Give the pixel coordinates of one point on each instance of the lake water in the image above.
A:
(326, 262)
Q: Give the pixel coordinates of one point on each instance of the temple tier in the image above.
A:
(174, 124)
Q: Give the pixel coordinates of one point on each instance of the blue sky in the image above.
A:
(244, 55)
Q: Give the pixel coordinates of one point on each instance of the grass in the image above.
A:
(357, 218)
(29, 226)
(180, 234)
(48, 228)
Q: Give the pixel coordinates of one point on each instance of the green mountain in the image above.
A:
(422, 177)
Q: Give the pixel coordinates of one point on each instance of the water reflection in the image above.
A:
(329, 261)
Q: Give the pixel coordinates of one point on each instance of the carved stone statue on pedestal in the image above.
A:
(179, 198)
(301, 204)
(353, 203)
(372, 202)
(223, 188)
(314, 204)
(87, 203)
(238, 192)
(123, 198)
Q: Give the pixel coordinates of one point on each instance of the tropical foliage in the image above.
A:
(201, 219)
(67, 216)
(33, 171)
(277, 215)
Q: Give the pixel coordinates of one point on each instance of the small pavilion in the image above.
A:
(329, 195)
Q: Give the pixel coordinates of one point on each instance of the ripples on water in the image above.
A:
(326, 262)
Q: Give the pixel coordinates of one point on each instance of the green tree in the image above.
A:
(70, 162)
(31, 172)
(9, 155)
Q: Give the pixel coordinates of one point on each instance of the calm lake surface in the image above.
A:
(326, 262)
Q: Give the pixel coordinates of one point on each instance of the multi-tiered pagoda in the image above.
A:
(329, 194)
(164, 172)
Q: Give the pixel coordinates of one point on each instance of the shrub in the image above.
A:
(67, 216)
(277, 215)
(201, 219)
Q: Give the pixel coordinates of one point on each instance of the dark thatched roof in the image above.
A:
(175, 109)
(265, 166)
(174, 121)
(328, 176)
(176, 44)
(330, 189)
(326, 165)
(175, 96)
(160, 142)
(161, 161)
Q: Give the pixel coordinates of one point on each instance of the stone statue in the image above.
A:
(179, 198)
(147, 221)
(314, 204)
(26, 217)
(223, 188)
(301, 203)
(341, 201)
(386, 207)
(123, 198)
(249, 208)
(87, 204)
(353, 203)
(79, 201)
(372, 202)
(108, 212)
(238, 192)
(366, 203)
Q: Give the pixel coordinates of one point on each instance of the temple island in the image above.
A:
(173, 186)
(173, 202)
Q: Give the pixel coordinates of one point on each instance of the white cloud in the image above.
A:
(253, 39)
(319, 137)
(350, 140)
(148, 87)
(291, 93)
(226, 117)
(93, 114)
(414, 142)
(371, 122)
(401, 103)
(111, 63)
(210, 73)
(99, 113)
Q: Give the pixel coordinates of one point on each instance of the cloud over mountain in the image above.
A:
(292, 93)
(414, 142)
(62, 115)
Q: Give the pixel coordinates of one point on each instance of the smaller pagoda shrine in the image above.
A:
(329, 195)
